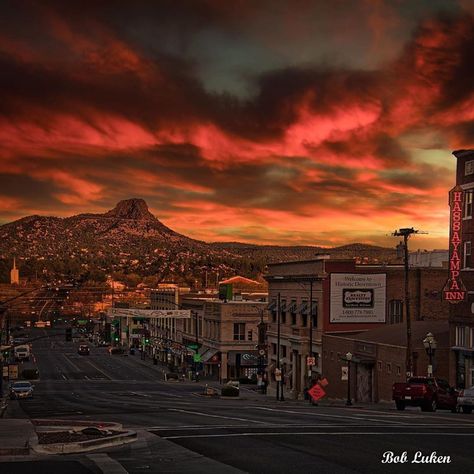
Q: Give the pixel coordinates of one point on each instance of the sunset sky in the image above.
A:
(284, 122)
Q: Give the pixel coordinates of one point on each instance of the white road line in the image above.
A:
(97, 368)
(76, 368)
(296, 425)
(217, 416)
(318, 433)
(314, 413)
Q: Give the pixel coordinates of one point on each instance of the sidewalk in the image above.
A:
(15, 436)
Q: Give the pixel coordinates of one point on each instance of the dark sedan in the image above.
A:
(83, 350)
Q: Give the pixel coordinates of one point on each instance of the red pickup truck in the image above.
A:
(429, 393)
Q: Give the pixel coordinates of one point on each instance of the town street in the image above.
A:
(181, 430)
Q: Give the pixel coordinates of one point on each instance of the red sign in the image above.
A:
(316, 392)
(454, 291)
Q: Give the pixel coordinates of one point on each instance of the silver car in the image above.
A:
(21, 390)
(466, 400)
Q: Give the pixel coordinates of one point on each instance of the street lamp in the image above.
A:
(430, 346)
(348, 358)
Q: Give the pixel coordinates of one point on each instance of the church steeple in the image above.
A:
(14, 274)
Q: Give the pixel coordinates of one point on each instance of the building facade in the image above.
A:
(461, 311)
(378, 359)
(227, 336)
(346, 299)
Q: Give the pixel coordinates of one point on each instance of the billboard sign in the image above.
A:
(149, 313)
(357, 298)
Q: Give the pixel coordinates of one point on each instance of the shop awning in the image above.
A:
(208, 355)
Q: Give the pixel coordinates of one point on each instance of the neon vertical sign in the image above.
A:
(454, 291)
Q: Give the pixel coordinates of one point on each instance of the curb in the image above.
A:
(15, 451)
(82, 446)
(3, 407)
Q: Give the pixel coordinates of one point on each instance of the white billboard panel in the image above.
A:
(150, 313)
(357, 298)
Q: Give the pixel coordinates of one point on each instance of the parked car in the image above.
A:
(83, 349)
(115, 350)
(466, 400)
(429, 393)
(21, 389)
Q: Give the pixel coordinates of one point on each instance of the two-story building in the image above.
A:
(347, 299)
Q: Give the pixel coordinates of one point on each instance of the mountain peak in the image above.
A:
(136, 209)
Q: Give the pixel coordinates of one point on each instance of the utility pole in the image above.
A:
(278, 346)
(405, 233)
(310, 367)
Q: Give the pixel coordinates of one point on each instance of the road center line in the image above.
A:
(98, 369)
(217, 416)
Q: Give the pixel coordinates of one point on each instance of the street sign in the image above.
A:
(278, 375)
(316, 392)
(310, 361)
(344, 373)
(197, 357)
(13, 372)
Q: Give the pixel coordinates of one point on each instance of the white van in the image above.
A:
(22, 353)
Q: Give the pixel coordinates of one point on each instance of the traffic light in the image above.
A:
(68, 334)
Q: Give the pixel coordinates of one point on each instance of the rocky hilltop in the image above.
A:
(129, 239)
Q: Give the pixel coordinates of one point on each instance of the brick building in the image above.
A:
(379, 359)
(346, 299)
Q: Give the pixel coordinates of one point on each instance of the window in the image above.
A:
(467, 210)
(293, 319)
(332, 355)
(467, 255)
(472, 340)
(304, 320)
(239, 331)
(249, 335)
(274, 316)
(283, 351)
(395, 311)
(389, 368)
(274, 349)
(399, 370)
(283, 317)
(379, 365)
(469, 168)
(461, 333)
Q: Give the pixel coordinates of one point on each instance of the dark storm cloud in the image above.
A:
(104, 101)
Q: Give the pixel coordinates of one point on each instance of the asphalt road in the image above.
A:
(180, 430)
